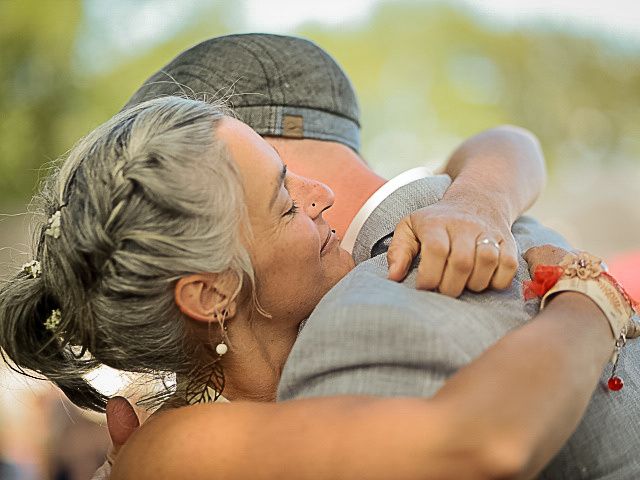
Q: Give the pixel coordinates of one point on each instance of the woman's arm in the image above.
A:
(534, 372)
(497, 175)
(499, 172)
(503, 416)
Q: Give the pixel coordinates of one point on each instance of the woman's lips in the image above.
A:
(328, 242)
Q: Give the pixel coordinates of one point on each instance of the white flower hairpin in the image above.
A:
(53, 321)
(32, 268)
(54, 225)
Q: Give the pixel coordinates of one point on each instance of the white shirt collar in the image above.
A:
(399, 181)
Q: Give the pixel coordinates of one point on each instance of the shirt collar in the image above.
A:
(399, 181)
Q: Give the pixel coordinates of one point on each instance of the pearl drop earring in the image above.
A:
(222, 347)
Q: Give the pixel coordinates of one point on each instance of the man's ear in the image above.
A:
(201, 295)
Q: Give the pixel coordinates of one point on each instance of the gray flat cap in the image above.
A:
(279, 85)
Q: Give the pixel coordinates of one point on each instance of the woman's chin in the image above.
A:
(344, 263)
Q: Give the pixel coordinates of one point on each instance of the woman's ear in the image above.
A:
(201, 295)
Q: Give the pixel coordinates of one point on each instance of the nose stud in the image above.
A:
(313, 204)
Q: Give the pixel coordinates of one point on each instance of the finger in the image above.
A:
(459, 265)
(507, 265)
(531, 256)
(633, 329)
(543, 255)
(486, 262)
(403, 249)
(433, 258)
(122, 420)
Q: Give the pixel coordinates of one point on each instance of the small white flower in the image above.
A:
(53, 321)
(33, 269)
(54, 225)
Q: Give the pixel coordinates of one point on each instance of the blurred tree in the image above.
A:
(48, 101)
(36, 48)
(439, 74)
(104, 92)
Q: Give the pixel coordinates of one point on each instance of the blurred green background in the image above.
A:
(428, 74)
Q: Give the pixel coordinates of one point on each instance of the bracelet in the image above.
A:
(584, 273)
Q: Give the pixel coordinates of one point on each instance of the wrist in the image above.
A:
(474, 197)
(580, 303)
(583, 274)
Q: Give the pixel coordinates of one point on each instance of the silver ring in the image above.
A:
(487, 241)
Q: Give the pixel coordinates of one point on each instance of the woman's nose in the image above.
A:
(320, 198)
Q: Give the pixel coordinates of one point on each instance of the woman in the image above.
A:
(152, 267)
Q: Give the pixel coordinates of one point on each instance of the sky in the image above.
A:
(147, 22)
(619, 16)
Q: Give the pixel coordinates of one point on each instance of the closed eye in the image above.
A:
(293, 210)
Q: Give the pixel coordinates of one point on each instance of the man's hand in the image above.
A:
(543, 255)
(122, 421)
(449, 238)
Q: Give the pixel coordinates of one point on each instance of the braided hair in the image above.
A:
(146, 198)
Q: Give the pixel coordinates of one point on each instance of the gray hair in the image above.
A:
(145, 199)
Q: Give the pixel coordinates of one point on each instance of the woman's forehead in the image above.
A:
(258, 162)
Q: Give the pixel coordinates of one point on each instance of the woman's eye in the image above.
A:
(293, 209)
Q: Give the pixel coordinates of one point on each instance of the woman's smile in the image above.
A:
(329, 243)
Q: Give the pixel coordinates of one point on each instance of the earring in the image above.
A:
(206, 385)
(222, 347)
(208, 382)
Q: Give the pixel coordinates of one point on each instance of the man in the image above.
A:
(300, 96)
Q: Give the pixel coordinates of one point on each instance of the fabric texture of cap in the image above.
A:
(278, 85)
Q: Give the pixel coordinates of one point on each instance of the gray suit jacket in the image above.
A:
(372, 336)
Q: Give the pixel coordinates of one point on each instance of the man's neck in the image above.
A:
(336, 165)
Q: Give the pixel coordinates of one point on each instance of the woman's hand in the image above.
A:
(449, 237)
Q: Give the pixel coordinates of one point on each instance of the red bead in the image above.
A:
(615, 384)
